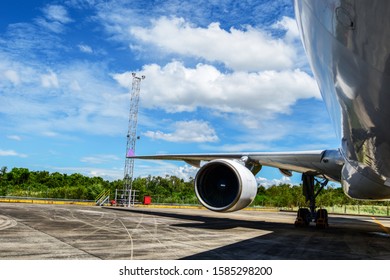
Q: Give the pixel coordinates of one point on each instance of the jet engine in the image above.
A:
(224, 185)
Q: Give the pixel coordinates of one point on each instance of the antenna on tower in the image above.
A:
(128, 194)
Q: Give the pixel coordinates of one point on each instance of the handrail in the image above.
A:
(103, 197)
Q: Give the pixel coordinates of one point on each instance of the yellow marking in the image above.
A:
(200, 207)
(385, 229)
(87, 203)
(39, 201)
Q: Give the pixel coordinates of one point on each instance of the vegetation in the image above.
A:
(168, 189)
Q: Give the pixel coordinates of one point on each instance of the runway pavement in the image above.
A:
(38, 232)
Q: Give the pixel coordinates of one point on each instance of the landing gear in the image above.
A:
(305, 215)
(322, 218)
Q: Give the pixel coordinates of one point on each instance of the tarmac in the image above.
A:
(69, 232)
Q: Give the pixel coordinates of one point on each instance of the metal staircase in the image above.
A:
(103, 198)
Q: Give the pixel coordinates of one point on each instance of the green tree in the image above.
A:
(3, 171)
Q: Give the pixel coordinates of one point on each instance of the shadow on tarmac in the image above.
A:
(345, 239)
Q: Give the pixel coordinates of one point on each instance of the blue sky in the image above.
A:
(221, 76)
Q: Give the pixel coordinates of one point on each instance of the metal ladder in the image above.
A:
(103, 198)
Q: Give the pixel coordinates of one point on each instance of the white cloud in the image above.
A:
(175, 88)
(12, 76)
(49, 80)
(85, 48)
(16, 72)
(57, 13)
(55, 26)
(70, 97)
(55, 18)
(185, 172)
(274, 182)
(67, 98)
(14, 137)
(241, 50)
(290, 26)
(187, 131)
(162, 168)
(11, 153)
(98, 159)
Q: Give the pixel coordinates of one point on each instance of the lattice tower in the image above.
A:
(132, 132)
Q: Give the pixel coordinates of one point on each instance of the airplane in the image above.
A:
(348, 46)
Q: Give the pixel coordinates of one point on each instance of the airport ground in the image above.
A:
(39, 232)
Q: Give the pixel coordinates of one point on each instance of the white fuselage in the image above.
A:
(348, 46)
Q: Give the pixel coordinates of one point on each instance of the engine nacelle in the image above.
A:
(224, 185)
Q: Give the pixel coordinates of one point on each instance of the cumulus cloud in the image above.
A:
(187, 131)
(290, 26)
(241, 50)
(185, 172)
(274, 182)
(162, 168)
(176, 88)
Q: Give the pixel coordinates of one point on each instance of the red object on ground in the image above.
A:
(147, 200)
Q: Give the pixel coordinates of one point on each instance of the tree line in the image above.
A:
(168, 189)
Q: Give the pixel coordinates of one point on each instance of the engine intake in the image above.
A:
(224, 185)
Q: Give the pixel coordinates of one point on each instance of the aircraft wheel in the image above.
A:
(303, 217)
(322, 218)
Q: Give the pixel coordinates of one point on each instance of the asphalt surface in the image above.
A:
(39, 232)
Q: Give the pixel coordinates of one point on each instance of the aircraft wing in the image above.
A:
(326, 163)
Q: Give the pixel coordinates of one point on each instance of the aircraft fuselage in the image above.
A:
(348, 46)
